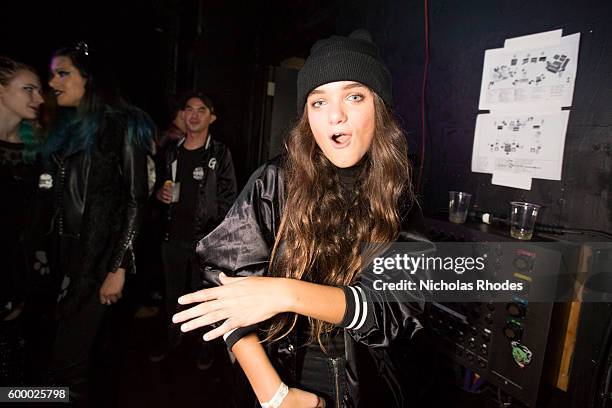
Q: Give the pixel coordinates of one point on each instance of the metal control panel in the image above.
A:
(505, 343)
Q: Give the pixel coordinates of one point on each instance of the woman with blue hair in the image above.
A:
(97, 153)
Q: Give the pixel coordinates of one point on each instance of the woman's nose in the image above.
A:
(53, 81)
(38, 99)
(336, 113)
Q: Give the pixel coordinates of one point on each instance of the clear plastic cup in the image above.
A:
(176, 191)
(458, 206)
(522, 219)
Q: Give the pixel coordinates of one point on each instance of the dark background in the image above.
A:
(226, 48)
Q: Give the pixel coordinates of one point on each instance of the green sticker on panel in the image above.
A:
(521, 354)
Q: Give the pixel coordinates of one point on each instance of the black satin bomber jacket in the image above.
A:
(241, 245)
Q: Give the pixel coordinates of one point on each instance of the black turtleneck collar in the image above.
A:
(348, 175)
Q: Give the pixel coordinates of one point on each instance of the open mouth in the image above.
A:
(57, 93)
(340, 140)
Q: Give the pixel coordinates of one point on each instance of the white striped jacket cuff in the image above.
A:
(358, 313)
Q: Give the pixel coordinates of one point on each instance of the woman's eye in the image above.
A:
(317, 104)
(63, 73)
(28, 89)
(355, 97)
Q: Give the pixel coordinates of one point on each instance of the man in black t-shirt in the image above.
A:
(197, 184)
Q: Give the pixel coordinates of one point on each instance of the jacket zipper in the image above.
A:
(336, 381)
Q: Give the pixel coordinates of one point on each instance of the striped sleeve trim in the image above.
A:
(357, 308)
(226, 335)
(232, 336)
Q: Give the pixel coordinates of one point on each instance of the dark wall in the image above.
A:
(227, 48)
(133, 37)
(459, 34)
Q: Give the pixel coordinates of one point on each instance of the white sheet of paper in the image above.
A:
(540, 39)
(526, 79)
(511, 180)
(523, 144)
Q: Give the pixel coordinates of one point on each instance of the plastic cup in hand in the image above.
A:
(522, 219)
(176, 191)
(458, 205)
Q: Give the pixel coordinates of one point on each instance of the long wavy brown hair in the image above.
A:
(321, 228)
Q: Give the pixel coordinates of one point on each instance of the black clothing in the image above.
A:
(25, 276)
(348, 176)
(178, 280)
(207, 190)
(100, 189)
(241, 246)
(324, 376)
(19, 184)
(100, 193)
(216, 190)
(189, 168)
(13, 179)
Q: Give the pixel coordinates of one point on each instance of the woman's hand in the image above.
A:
(240, 302)
(111, 289)
(302, 399)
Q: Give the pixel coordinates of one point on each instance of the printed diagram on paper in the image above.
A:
(541, 75)
(522, 144)
(525, 85)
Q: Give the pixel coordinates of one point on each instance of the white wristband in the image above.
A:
(278, 398)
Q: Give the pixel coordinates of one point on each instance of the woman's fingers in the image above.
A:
(226, 280)
(199, 296)
(228, 325)
(227, 290)
(205, 320)
(301, 398)
(197, 310)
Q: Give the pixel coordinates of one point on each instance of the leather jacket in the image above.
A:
(216, 189)
(241, 246)
(100, 191)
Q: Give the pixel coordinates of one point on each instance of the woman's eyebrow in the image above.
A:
(345, 87)
(353, 85)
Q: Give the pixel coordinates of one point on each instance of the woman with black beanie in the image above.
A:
(287, 258)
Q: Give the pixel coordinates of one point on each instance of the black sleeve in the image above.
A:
(241, 244)
(377, 318)
(135, 184)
